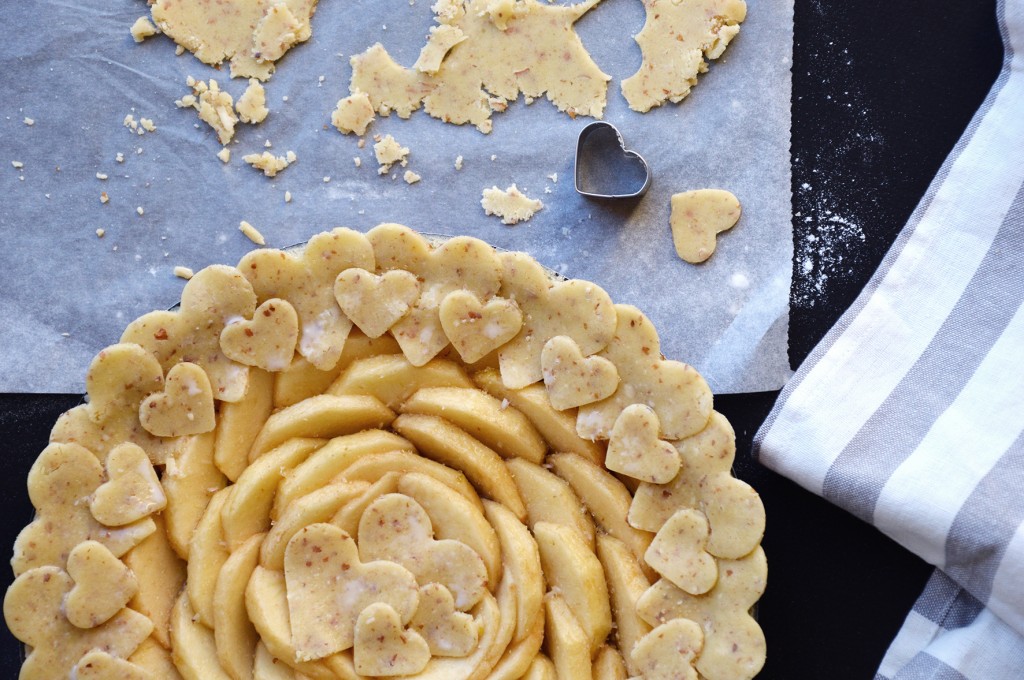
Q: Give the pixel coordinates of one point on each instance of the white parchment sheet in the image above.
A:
(73, 68)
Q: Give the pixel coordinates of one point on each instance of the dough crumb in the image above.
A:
(100, 233)
(268, 162)
(101, 175)
(353, 114)
(362, 143)
(511, 205)
(29, 121)
(224, 155)
(553, 177)
(287, 197)
(357, 161)
(147, 124)
(130, 122)
(252, 233)
(119, 157)
(458, 162)
(411, 177)
(18, 165)
(104, 198)
(388, 152)
(327, 179)
(140, 211)
(215, 107)
(142, 29)
(252, 105)
(183, 272)
(179, 50)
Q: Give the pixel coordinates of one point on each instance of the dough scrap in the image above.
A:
(481, 56)
(251, 34)
(674, 41)
(252, 105)
(269, 163)
(353, 114)
(388, 152)
(511, 205)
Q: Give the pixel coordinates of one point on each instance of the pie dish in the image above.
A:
(386, 456)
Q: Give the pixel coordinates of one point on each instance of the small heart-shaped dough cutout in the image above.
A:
(476, 329)
(132, 490)
(397, 528)
(328, 586)
(735, 514)
(572, 379)
(99, 665)
(375, 303)
(636, 450)
(267, 341)
(447, 632)
(698, 217)
(103, 585)
(184, 407)
(383, 648)
(668, 651)
(679, 552)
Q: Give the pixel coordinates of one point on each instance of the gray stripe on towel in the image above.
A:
(857, 476)
(924, 666)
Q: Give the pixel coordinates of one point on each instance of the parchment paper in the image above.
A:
(73, 68)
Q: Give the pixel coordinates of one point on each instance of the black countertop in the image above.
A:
(881, 92)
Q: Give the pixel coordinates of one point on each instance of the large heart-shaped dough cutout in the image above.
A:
(605, 168)
(375, 303)
(132, 490)
(397, 528)
(636, 450)
(266, 341)
(572, 379)
(103, 585)
(184, 407)
(448, 632)
(697, 218)
(383, 648)
(328, 586)
(476, 329)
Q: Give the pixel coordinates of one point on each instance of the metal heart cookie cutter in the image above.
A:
(605, 168)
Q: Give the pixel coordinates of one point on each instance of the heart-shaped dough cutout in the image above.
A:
(572, 379)
(99, 665)
(266, 341)
(132, 490)
(679, 552)
(397, 528)
(184, 407)
(328, 586)
(476, 329)
(375, 303)
(636, 450)
(605, 168)
(103, 585)
(383, 648)
(668, 651)
(697, 218)
(33, 610)
(448, 632)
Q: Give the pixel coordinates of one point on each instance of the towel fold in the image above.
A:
(910, 412)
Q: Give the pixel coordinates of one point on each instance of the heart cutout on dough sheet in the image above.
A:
(605, 168)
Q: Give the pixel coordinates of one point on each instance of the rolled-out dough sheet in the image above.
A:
(76, 71)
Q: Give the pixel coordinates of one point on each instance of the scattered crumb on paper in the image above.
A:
(511, 205)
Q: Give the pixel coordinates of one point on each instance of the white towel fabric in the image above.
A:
(910, 413)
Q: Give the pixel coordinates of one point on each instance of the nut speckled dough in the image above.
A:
(697, 218)
(511, 204)
(481, 56)
(674, 41)
(251, 34)
(252, 105)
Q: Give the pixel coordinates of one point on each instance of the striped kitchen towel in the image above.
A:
(910, 413)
